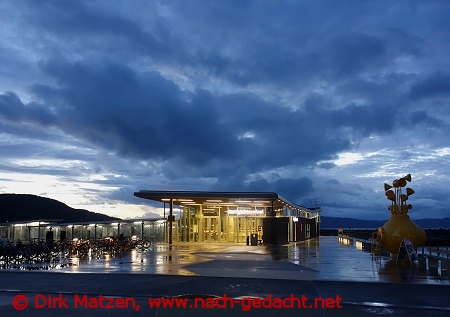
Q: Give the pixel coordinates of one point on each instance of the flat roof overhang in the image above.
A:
(32, 223)
(110, 222)
(185, 198)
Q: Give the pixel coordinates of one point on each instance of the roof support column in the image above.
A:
(170, 220)
(165, 224)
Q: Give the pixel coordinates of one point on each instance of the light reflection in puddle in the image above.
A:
(334, 261)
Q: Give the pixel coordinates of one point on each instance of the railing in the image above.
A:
(436, 246)
(365, 238)
(363, 235)
(433, 246)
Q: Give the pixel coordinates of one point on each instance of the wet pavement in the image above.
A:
(321, 267)
(316, 259)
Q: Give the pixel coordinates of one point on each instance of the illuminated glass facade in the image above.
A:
(235, 216)
(203, 217)
(152, 230)
(212, 223)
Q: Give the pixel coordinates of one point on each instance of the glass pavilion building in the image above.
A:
(235, 217)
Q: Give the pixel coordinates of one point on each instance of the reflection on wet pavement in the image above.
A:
(333, 261)
(337, 261)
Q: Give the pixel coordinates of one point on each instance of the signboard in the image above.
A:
(245, 212)
(270, 212)
(406, 248)
(210, 213)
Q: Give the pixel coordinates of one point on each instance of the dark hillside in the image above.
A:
(351, 223)
(22, 207)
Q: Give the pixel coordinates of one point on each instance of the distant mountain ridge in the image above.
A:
(346, 223)
(24, 207)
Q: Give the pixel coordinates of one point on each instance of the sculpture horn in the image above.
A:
(407, 177)
(390, 195)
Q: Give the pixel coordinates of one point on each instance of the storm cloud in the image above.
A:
(229, 95)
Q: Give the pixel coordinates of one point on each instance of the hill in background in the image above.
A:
(351, 223)
(22, 207)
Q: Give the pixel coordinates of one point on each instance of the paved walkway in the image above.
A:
(322, 269)
(318, 259)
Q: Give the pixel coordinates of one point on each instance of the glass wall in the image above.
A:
(239, 228)
(220, 223)
(151, 230)
(190, 224)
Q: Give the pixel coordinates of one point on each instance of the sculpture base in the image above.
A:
(398, 227)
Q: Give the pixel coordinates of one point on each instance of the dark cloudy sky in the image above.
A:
(315, 100)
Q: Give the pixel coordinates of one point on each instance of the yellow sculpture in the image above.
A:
(399, 225)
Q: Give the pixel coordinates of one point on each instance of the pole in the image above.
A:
(295, 231)
(165, 223)
(170, 220)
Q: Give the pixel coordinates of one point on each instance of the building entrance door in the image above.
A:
(244, 226)
(193, 229)
(241, 225)
(211, 229)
